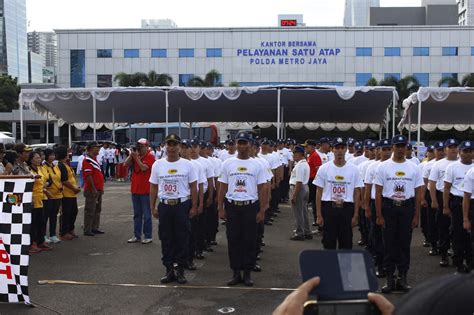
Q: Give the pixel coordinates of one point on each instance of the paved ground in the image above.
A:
(108, 259)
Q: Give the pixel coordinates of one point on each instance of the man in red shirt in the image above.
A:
(141, 161)
(314, 161)
(93, 190)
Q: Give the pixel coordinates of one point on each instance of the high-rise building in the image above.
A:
(466, 12)
(13, 39)
(357, 12)
(44, 44)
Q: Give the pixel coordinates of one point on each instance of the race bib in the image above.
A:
(338, 192)
(170, 188)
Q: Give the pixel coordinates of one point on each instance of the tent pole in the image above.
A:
(387, 131)
(394, 100)
(69, 135)
(190, 130)
(418, 137)
(179, 125)
(166, 109)
(278, 113)
(21, 120)
(47, 128)
(282, 122)
(94, 116)
(113, 124)
(409, 127)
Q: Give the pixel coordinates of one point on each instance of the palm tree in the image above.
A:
(372, 82)
(210, 80)
(234, 84)
(467, 81)
(407, 86)
(142, 79)
(158, 79)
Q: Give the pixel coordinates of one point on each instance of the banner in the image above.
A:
(15, 222)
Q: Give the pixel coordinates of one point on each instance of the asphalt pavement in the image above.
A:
(121, 278)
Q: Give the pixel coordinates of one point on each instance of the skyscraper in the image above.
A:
(357, 12)
(466, 12)
(13, 39)
(46, 45)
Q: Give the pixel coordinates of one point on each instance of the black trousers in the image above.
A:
(285, 184)
(462, 246)
(433, 235)
(397, 235)
(363, 226)
(212, 222)
(376, 237)
(424, 219)
(69, 215)
(37, 222)
(312, 197)
(191, 239)
(51, 210)
(444, 224)
(337, 226)
(173, 231)
(471, 218)
(202, 226)
(241, 235)
(110, 170)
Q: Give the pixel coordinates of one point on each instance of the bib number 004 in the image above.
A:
(337, 190)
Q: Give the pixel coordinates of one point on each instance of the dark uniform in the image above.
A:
(468, 209)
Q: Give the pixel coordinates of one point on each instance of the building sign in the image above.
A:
(288, 53)
(288, 23)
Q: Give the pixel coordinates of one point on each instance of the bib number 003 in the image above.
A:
(170, 188)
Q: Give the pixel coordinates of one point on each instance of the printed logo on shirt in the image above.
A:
(172, 171)
(240, 184)
(400, 174)
(242, 169)
(399, 190)
(339, 177)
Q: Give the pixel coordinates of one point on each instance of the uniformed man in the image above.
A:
(241, 201)
(214, 225)
(452, 207)
(410, 157)
(173, 182)
(365, 156)
(229, 151)
(468, 209)
(337, 198)
(314, 162)
(433, 236)
(363, 222)
(266, 153)
(324, 149)
(436, 183)
(424, 204)
(397, 201)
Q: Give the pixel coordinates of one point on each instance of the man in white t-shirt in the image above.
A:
(275, 165)
(241, 200)
(397, 201)
(230, 150)
(299, 194)
(173, 182)
(436, 183)
(410, 156)
(337, 198)
(452, 199)
(468, 208)
(324, 149)
(424, 204)
(217, 165)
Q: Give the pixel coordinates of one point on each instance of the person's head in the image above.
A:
(230, 145)
(372, 150)
(195, 148)
(93, 148)
(350, 145)
(172, 142)
(23, 151)
(243, 143)
(324, 145)
(185, 149)
(399, 146)
(49, 155)
(142, 146)
(203, 148)
(358, 149)
(309, 146)
(439, 152)
(452, 151)
(11, 156)
(430, 152)
(465, 151)
(298, 153)
(209, 149)
(265, 145)
(366, 147)
(256, 147)
(106, 145)
(385, 146)
(340, 148)
(409, 151)
(34, 159)
(61, 153)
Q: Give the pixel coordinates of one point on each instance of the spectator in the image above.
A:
(121, 167)
(20, 167)
(2, 157)
(9, 161)
(141, 161)
(80, 160)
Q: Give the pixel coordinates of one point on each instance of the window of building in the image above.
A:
(392, 51)
(362, 78)
(131, 53)
(449, 75)
(421, 51)
(363, 51)
(213, 52)
(392, 75)
(104, 80)
(159, 53)
(423, 78)
(472, 51)
(450, 51)
(186, 52)
(218, 80)
(78, 68)
(104, 53)
(184, 78)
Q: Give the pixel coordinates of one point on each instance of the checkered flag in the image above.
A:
(15, 222)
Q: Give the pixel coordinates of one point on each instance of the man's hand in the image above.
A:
(355, 220)
(294, 303)
(320, 221)
(467, 225)
(193, 212)
(77, 189)
(434, 205)
(424, 203)
(384, 305)
(154, 211)
(222, 213)
(414, 223)
(134, 155)
(208, 202)
(447, 212)
(293, 199)
(200, 209)
(380, 221)
(368, 213)
(260, 216)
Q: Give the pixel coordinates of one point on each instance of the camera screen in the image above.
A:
(353, 273)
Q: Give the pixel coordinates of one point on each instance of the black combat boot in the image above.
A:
(180, 275)
(402, 284)
(236, 278)
(390, 284)
(169, 276)
(247, 278)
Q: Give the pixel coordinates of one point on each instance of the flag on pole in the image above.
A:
(15, 222)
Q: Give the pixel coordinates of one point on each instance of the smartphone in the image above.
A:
(346, 307)
(345, 274)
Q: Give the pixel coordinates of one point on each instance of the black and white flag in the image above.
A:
(15, 222)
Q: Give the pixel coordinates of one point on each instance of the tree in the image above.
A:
(467, 81)
(407, 86)
(155, 79)
(372, 82)
(142, 79)
(210, 80)
(234, 84)
(9, 92)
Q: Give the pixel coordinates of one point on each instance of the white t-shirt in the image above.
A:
(422, 165)
(266, 167)
(225, 155)
(359, 160)
(399, 180)
(363, 168)
(331, 156)
(173, 178)
(370, 176)
(80, 159)
(158, 154)
(208, 170)
(271, 159)
(284, 156)
(101, 155)
(323, 156)
(242, 177)
(201, 175)
(454, 175)
(300, 173)
(468, 185)
(278, 158)
(414, 160)
(338, 183)
(348, 156)
(110, 155)
(437, 173)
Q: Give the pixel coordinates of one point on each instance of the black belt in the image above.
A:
(455, 198)
(398, 203)
(241, 203)
(337, 204)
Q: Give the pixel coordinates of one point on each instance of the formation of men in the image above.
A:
(378, 185)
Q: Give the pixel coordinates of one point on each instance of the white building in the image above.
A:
(159, 23)
(259, 56)
(466, 12)
(46, 45)
(357, 12)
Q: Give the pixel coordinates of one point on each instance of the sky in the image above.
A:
(47, 15)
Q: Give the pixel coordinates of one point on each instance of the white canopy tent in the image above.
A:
(443, 108)
(331, 107)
